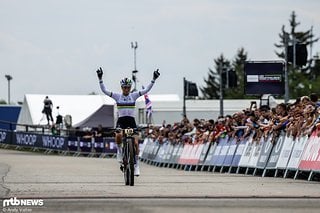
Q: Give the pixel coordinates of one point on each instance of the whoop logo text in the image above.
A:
(22, 202)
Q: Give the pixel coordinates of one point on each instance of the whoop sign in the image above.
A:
(40, 141)
(53, 142)
(4, 137)
(26, 139)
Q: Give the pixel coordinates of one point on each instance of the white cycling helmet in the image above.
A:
(126, 82)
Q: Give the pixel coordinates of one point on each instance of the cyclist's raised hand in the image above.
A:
(100, 73)
(156, 74)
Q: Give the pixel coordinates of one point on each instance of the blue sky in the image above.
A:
(55, 46)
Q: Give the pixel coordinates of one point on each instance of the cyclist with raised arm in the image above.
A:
(126, 109)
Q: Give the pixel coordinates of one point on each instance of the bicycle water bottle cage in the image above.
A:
(128, 132)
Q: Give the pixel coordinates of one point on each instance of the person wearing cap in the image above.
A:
(126, 101)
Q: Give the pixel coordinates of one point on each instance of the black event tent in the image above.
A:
(103, 116)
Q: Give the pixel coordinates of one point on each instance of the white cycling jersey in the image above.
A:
(125, 104)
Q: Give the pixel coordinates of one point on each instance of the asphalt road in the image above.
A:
(79, 184)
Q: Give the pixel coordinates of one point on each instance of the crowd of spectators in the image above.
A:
(295, 119)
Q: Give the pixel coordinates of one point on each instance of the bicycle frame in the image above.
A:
(128, 150)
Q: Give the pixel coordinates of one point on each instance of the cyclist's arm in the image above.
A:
(104, 90)
(147, 89)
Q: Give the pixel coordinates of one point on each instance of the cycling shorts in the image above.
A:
(126, 122)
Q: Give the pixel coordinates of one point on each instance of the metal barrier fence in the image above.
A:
(280, 156)
(66, 145)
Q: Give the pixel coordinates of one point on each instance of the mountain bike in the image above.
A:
(129, 153)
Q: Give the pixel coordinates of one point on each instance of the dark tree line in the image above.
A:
(303, 79)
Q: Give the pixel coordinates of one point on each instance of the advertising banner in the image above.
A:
(168, 153)
(239, 152)
(231, 151)
(220, 152)
(257, 148)
(142, 146)
(146, 150)
(85, 145)
(210, 154)
(73, 144)
(310, 159)
(154, 150)
(206, 147)
(285, 152)
(265, 153)
(110, 146)
(41, 141)
(275, 154)
(297, 152)
(98, 145)
(160, 158)
(195, 154)
(185, 155)
(248, 150)
(174, 157)
(5, 137)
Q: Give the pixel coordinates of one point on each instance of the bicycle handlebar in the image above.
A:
(128, 131)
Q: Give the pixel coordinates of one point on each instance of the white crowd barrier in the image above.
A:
(280, 156)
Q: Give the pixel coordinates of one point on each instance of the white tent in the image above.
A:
(78, 106)
(166, 107)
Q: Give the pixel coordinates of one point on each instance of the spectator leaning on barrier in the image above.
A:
(99, 131)
(297, 119)
(190, 133)
(314, 99)
(220, 129)
(87, 133)
(281, 118)
(310, 116)
(253, 126)
(238, 126)
(264, 120)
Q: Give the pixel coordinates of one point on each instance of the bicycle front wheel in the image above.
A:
(128, 161)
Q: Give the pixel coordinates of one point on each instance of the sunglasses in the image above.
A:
(125, 87)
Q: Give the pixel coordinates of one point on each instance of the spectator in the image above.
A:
(47, 109)
(99, 132)
(314, 99)
(220, 129)
(87, 134)
(296, 119)
(59, 120)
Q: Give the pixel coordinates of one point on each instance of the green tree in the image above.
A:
(238, 66)
(211, 90)
(2, 101)
(300, 76)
